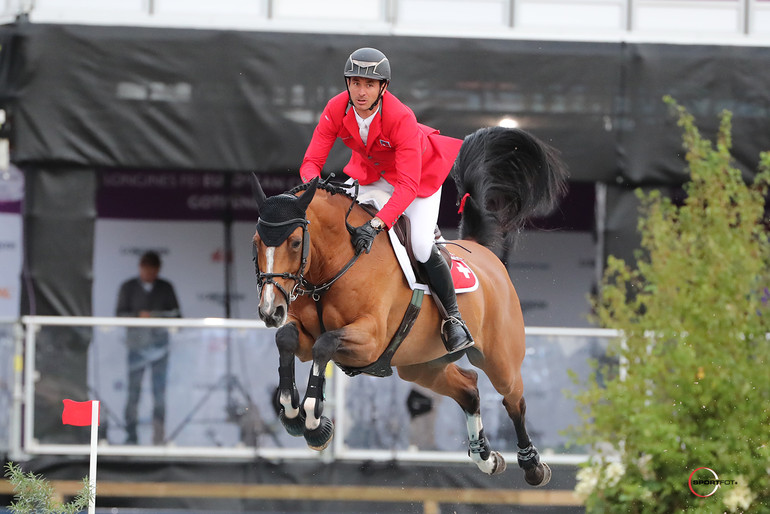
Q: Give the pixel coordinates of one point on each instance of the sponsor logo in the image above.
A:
(219, 298)
(5, 293)
(529, 305)
(138, 251)
(209, 202)
(155, 91)
(220, 255)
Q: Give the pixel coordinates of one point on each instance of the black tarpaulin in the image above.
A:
(158, 98)
(704, 79)
(59, 216)
(248, 101)
(155, 98)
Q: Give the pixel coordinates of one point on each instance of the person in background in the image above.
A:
(147, 296)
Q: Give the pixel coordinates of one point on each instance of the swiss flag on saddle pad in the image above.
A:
(463, 276)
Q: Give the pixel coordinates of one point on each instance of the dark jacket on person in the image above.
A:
(161, 301)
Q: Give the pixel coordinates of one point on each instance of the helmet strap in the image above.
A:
(347, 88)
(383, 85)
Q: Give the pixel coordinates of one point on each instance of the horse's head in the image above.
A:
(281, 242)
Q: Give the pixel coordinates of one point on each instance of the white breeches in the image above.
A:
(422, 214)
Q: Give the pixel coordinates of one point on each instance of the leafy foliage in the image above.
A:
(34, 494)
(693, 386)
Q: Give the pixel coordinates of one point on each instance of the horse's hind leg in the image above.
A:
(488, 461)
(536, 473)
(460, 385)
(291, 416)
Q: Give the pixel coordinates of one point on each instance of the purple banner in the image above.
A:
(169, 195)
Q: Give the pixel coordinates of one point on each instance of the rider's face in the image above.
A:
(363, 93)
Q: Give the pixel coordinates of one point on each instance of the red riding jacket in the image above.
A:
(412, 157)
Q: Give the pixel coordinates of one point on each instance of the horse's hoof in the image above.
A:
(538, 476)
(294, 426)
(320, 437)
(500, 464)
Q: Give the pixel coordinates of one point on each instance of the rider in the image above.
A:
(395, 154)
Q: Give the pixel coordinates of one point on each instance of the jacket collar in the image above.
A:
(375, 129)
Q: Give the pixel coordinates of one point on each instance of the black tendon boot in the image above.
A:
(455, 334)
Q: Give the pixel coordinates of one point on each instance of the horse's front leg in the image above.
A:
(319, 429)
(291, 416)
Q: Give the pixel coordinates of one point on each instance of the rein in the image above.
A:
(304, 287)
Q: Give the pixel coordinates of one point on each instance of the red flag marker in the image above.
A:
(84, 414)
(77, 413)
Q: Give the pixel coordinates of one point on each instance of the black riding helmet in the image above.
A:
(368, 63)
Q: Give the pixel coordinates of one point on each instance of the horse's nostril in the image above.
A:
(280, 312)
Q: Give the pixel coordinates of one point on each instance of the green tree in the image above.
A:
(692, 388)
(34, 494)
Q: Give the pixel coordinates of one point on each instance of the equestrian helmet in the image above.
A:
(369, 63)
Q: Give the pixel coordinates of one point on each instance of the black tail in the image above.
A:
(508, 176)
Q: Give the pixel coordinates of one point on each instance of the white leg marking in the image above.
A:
(473, 421)
(285, 400)
(311, 422)
(474, 425)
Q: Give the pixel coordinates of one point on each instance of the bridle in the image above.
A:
(302, 286)
(299, 277)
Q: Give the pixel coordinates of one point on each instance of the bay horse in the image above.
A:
(333, 304)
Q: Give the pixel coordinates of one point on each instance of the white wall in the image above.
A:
(553, 284)
(10, 264)
(11, 249)
(698, 21)
(193, 260)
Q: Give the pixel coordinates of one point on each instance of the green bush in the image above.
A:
(34, 494)
(692, 388)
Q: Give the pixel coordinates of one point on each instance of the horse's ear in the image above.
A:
(259, 194)
(304, 200)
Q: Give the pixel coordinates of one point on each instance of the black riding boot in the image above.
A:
(455, 334)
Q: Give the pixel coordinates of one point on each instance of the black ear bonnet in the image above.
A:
(278, 217)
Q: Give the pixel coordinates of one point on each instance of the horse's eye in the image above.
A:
(295, 244)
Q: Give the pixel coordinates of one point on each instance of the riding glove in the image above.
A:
(363, 237)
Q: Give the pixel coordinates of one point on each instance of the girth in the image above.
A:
(381, 367)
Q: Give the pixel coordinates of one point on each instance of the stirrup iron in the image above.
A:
(454, 320)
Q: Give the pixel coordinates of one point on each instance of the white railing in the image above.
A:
(370, 414)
